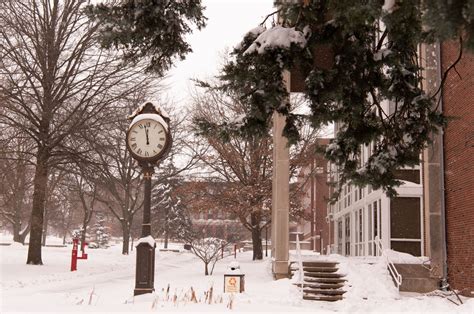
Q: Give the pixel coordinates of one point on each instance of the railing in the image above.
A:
(300, 264)
(397, 278)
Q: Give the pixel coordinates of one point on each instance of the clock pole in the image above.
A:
(147, 173)
(146, 114)
(145, 268)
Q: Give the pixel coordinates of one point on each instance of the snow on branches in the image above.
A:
(371, 88)
(154, 30)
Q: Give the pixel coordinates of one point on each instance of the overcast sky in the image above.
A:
(228, 21)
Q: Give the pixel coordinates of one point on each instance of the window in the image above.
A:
(405, 225)
(339, 236)
(369, 226)
(347, 226)
(359, 232)
(374, 225)
(349, 196)
(374, 208)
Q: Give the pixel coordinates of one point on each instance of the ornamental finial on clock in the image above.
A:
(150, 107)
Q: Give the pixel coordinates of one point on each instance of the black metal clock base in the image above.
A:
(145, 272)
(139, 291)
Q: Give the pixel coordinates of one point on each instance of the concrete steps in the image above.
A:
(321, 281)
(322, 285)
(322, 274)
(322, 297)
(321, 269)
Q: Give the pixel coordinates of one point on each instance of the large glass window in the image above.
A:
(405, 225)
(347, 226)
(369, 226)
(359, 232)
(339, 236)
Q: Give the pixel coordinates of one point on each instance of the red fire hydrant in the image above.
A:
(74, 256)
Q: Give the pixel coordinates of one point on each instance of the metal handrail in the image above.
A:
(391, 267)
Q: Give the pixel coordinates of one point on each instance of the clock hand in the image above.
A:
(146, 133)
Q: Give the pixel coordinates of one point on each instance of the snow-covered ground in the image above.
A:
(105, 283)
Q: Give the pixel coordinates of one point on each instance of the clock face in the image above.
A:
(147, 138)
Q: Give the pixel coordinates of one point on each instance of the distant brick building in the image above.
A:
(316, 231)
(206, 215)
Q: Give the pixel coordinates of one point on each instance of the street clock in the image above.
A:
(148, 137)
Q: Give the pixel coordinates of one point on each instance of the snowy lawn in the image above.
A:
(105, 283)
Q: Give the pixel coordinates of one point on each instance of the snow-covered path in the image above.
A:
(111, 276)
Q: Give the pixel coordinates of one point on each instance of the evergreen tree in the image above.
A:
(169, 215)
(100, 231)
(151, 29)
(449, 19)
(371, 47)
(366, 70)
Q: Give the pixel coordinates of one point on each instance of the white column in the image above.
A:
(280, 196)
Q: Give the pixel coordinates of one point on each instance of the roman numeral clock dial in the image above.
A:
(147, 138)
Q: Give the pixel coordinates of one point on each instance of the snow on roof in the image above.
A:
(277, 37)
(151, 116)
(158, 108)
(148, 239)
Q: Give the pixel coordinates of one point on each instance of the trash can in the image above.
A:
(234, 280)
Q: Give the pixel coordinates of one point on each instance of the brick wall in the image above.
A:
(458, 103)
(320, 197)
(321, 200)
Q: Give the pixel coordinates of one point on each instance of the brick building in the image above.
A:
(315, 232)
(449, 167)
(436, 201)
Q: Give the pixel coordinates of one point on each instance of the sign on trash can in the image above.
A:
(234, 280)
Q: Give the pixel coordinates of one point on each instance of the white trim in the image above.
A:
(405, 240)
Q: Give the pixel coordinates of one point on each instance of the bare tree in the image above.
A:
(15, 183)
(84, 191)
(118, 177)
(57, 84)
(208, 249)
(54, 199)
(241, 162)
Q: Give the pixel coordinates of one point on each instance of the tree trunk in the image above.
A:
(206, 270)
(166, 226)
(67, 225)
(45, 226)
(126, 238)
(83, 236)
(16, 231)
(85, 222)
(166, 240)
(24, 234)
(37, 213)
(256, 238)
